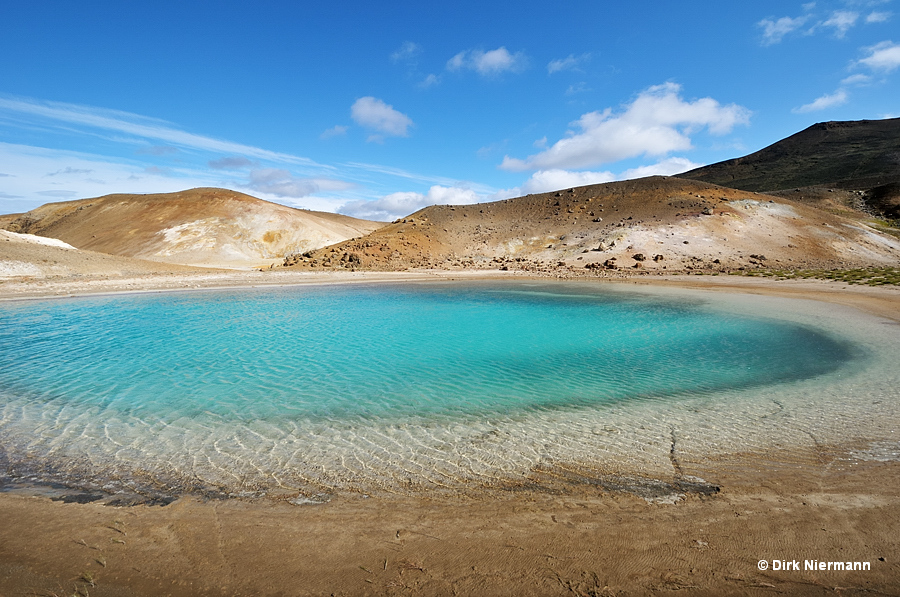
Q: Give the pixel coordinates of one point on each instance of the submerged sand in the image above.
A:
(565, 534)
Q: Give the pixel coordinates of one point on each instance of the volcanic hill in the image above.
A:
(650, 224)
(841, 166)
(202, 227)
(29, 256)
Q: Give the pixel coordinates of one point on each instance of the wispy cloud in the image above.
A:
(570, 62)
(408, 52)
(142, 127)
(577, 88)
(813, 21)
(658, 122)
(337, 130)
(157, 150)
(774, 30)
(374, 114)
(281, 182)
(841, 21)
(488, 63)
(396, 205)
(61, 194)
(69, 170)
(202, 160)
(857, 79)
(413, 176)
(429, 81)
(231, 163)
(830, 100)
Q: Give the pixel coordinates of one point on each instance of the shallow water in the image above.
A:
(412, 386)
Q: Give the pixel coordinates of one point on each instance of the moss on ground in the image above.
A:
(873, 276)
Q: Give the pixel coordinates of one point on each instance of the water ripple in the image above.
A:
(402, 388)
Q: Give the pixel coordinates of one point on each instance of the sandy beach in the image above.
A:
(563, 535)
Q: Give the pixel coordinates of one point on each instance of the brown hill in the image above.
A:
(27, 256)
(837, 165)
(205, 227)
(656, 223)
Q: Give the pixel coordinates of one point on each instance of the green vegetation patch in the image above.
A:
(873, 276)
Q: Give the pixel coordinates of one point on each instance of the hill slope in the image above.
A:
(29, 256)
(205, 227)
(656, 223)
(862, 157)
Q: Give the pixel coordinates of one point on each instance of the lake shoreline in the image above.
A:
(826, 502)
(882, 301)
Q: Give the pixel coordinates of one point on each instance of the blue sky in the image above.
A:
(375, 111)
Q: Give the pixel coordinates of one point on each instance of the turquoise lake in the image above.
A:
(357, 384)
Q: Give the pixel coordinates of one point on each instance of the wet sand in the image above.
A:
(563, 535)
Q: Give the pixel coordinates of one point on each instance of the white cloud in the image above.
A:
(577, 88)
(281, 183)
(841, 21)
(830, 100)
(396, 205)
(373, 113)
(666, 167)
(656, 123)
(568, 63)
(884, 56)
(543, 181)
(488, 63)
(335, 131)
(878, 17)
(774, 31)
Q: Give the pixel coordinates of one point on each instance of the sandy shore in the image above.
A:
(563, 537)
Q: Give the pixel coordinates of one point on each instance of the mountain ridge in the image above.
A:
(859, 160)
